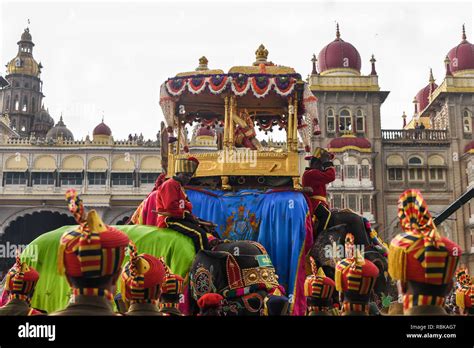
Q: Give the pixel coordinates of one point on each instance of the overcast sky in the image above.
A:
(111, 57)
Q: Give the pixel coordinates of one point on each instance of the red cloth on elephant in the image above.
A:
(317, 180)
(149, 215)
(171, 200)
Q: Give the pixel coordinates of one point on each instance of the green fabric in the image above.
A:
(52, 291)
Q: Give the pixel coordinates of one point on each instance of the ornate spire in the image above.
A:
(464, 38)
(202, 64)
(415, 102)
(372, 61)
(338, 34)
(404, 117)
(432, 80)
(448, 67)
(314, 60)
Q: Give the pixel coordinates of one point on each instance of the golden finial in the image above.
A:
(202, 64)
(261, 52)
(261, 55)
(338, 34)
(464, 33)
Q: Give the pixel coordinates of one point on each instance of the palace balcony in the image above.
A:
(415, 136)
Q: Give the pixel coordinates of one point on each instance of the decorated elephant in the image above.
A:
(240, 271)
(328, 247)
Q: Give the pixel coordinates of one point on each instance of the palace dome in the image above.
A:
(422, 98)
(339, 56)
(44, 117)
(60, 130)
(102, 129)
(24, 63)
(349, 142)
(461, 57)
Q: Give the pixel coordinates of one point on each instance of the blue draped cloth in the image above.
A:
(276, 220)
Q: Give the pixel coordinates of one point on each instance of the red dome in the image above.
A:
(423, 96)
(339, 55)
(469, 146)
(461, 57)
(204, 131)
(102, 129)
(349, 142)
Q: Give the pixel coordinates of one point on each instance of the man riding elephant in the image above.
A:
(315, 178)
(175, 210)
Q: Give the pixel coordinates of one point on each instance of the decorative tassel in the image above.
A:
(460, 299)
(338, 279)
(62, 248)
(397, 259)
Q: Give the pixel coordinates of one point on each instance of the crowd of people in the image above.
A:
(424, 264)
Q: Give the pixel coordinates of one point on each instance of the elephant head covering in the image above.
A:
(142, 277)
(420, 254)
(21, 280)
(93, 249)
(240, 271)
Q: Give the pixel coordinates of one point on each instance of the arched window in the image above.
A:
(350, 168)
(7, 105)
(467, 121)
(16, 104)
(415, 174)
(338, 167)
(345, 120)
(365, 169)
(331, 121)
(360, 127)
(24, 106)
(415, 161)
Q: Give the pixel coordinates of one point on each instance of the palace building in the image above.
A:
(41, 158)
(375, 165)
